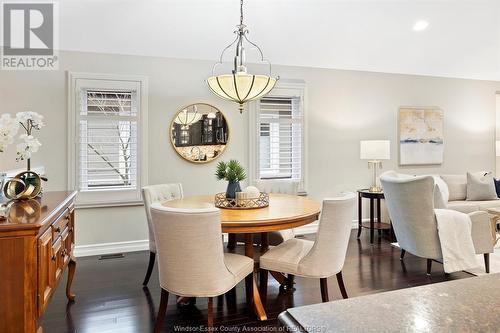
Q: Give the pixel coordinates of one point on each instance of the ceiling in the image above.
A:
(462, 39)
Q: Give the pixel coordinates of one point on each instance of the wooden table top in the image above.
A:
(34, 213)
(284, 212)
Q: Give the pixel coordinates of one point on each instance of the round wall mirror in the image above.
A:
(199, 133)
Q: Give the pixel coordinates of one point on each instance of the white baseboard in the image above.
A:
(109, 248)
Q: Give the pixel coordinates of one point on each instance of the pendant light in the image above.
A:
(187, 117)
(241, 86)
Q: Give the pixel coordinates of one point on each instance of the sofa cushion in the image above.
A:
(480, 186)
(473, 206)
(457, 186)
(464, 206)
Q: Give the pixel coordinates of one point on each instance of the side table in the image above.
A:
(373, 196)
(494, 219)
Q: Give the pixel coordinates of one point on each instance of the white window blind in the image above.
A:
(108, 140)
(280, 138)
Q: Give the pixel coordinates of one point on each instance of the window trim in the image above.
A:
(284, 88)
(142, 153)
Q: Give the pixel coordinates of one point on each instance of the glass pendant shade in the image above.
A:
(241, 87)
(187, 118)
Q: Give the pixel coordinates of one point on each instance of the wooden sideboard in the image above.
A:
(36, 245)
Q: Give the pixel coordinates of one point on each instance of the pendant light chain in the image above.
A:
(241, 12)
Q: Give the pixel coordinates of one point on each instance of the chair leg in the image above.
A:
(151, 264)
(340, 281)
(289, 281)
(487, 262)
(231, 241)
(429, 266)
(263, 286)
(161, 311)
(210, 320)
(323, 283)
(402, 256)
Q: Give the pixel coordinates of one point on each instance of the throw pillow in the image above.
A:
(497, 186)
(457, 186)
(480, 186)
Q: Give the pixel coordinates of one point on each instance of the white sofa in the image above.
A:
(457, 187)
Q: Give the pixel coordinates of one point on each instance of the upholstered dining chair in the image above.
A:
(271, 186)
(321, 258)
(191, 260)
(411, 202)
(150, 195)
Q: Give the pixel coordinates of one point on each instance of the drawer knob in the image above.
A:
(53, 257)
(58, 229)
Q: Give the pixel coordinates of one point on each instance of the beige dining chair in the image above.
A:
(275, 237)
(150, 195)
(191, 260)
(321, 258)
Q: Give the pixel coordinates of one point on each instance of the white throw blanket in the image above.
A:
(454, 229)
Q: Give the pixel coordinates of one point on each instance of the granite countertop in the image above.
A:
(466, 305)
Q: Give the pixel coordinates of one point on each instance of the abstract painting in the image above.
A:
(421, 139)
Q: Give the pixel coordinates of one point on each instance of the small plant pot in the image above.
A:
(232, 188)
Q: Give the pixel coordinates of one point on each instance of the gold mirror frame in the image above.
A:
(205, 151)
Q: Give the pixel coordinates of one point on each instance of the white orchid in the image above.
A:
(30, 119)
(29, 146)
(9, 127)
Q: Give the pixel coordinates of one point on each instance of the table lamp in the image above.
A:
(374, 151)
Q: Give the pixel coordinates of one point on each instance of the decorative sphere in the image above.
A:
(252, 192)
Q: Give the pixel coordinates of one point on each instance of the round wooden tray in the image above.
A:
(240, 202)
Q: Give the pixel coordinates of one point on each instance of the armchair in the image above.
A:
(411, 202)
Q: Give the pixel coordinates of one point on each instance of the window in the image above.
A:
(277, 138)
(280, 138)
(108, 118)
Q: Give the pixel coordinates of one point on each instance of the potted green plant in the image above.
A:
(233, 172)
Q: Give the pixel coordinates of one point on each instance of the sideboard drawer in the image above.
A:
(59, 225)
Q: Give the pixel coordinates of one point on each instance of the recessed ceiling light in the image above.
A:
(420, 25)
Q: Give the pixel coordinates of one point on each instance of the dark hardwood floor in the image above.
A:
(110, 297)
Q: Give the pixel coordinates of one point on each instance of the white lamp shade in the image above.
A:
(497, 148)
(375, 150)
(241, 87)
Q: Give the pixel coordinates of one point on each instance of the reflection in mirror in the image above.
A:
(199, 133)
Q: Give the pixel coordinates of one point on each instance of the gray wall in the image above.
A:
(343, 107)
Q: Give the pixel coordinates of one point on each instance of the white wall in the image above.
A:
(344, 107)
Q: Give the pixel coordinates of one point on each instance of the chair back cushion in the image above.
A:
(158, 193)
(457, 186)
(190, 252)
(410, 201)
(278, 186)
(327, 255)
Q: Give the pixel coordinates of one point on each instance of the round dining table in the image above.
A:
(284, 212)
